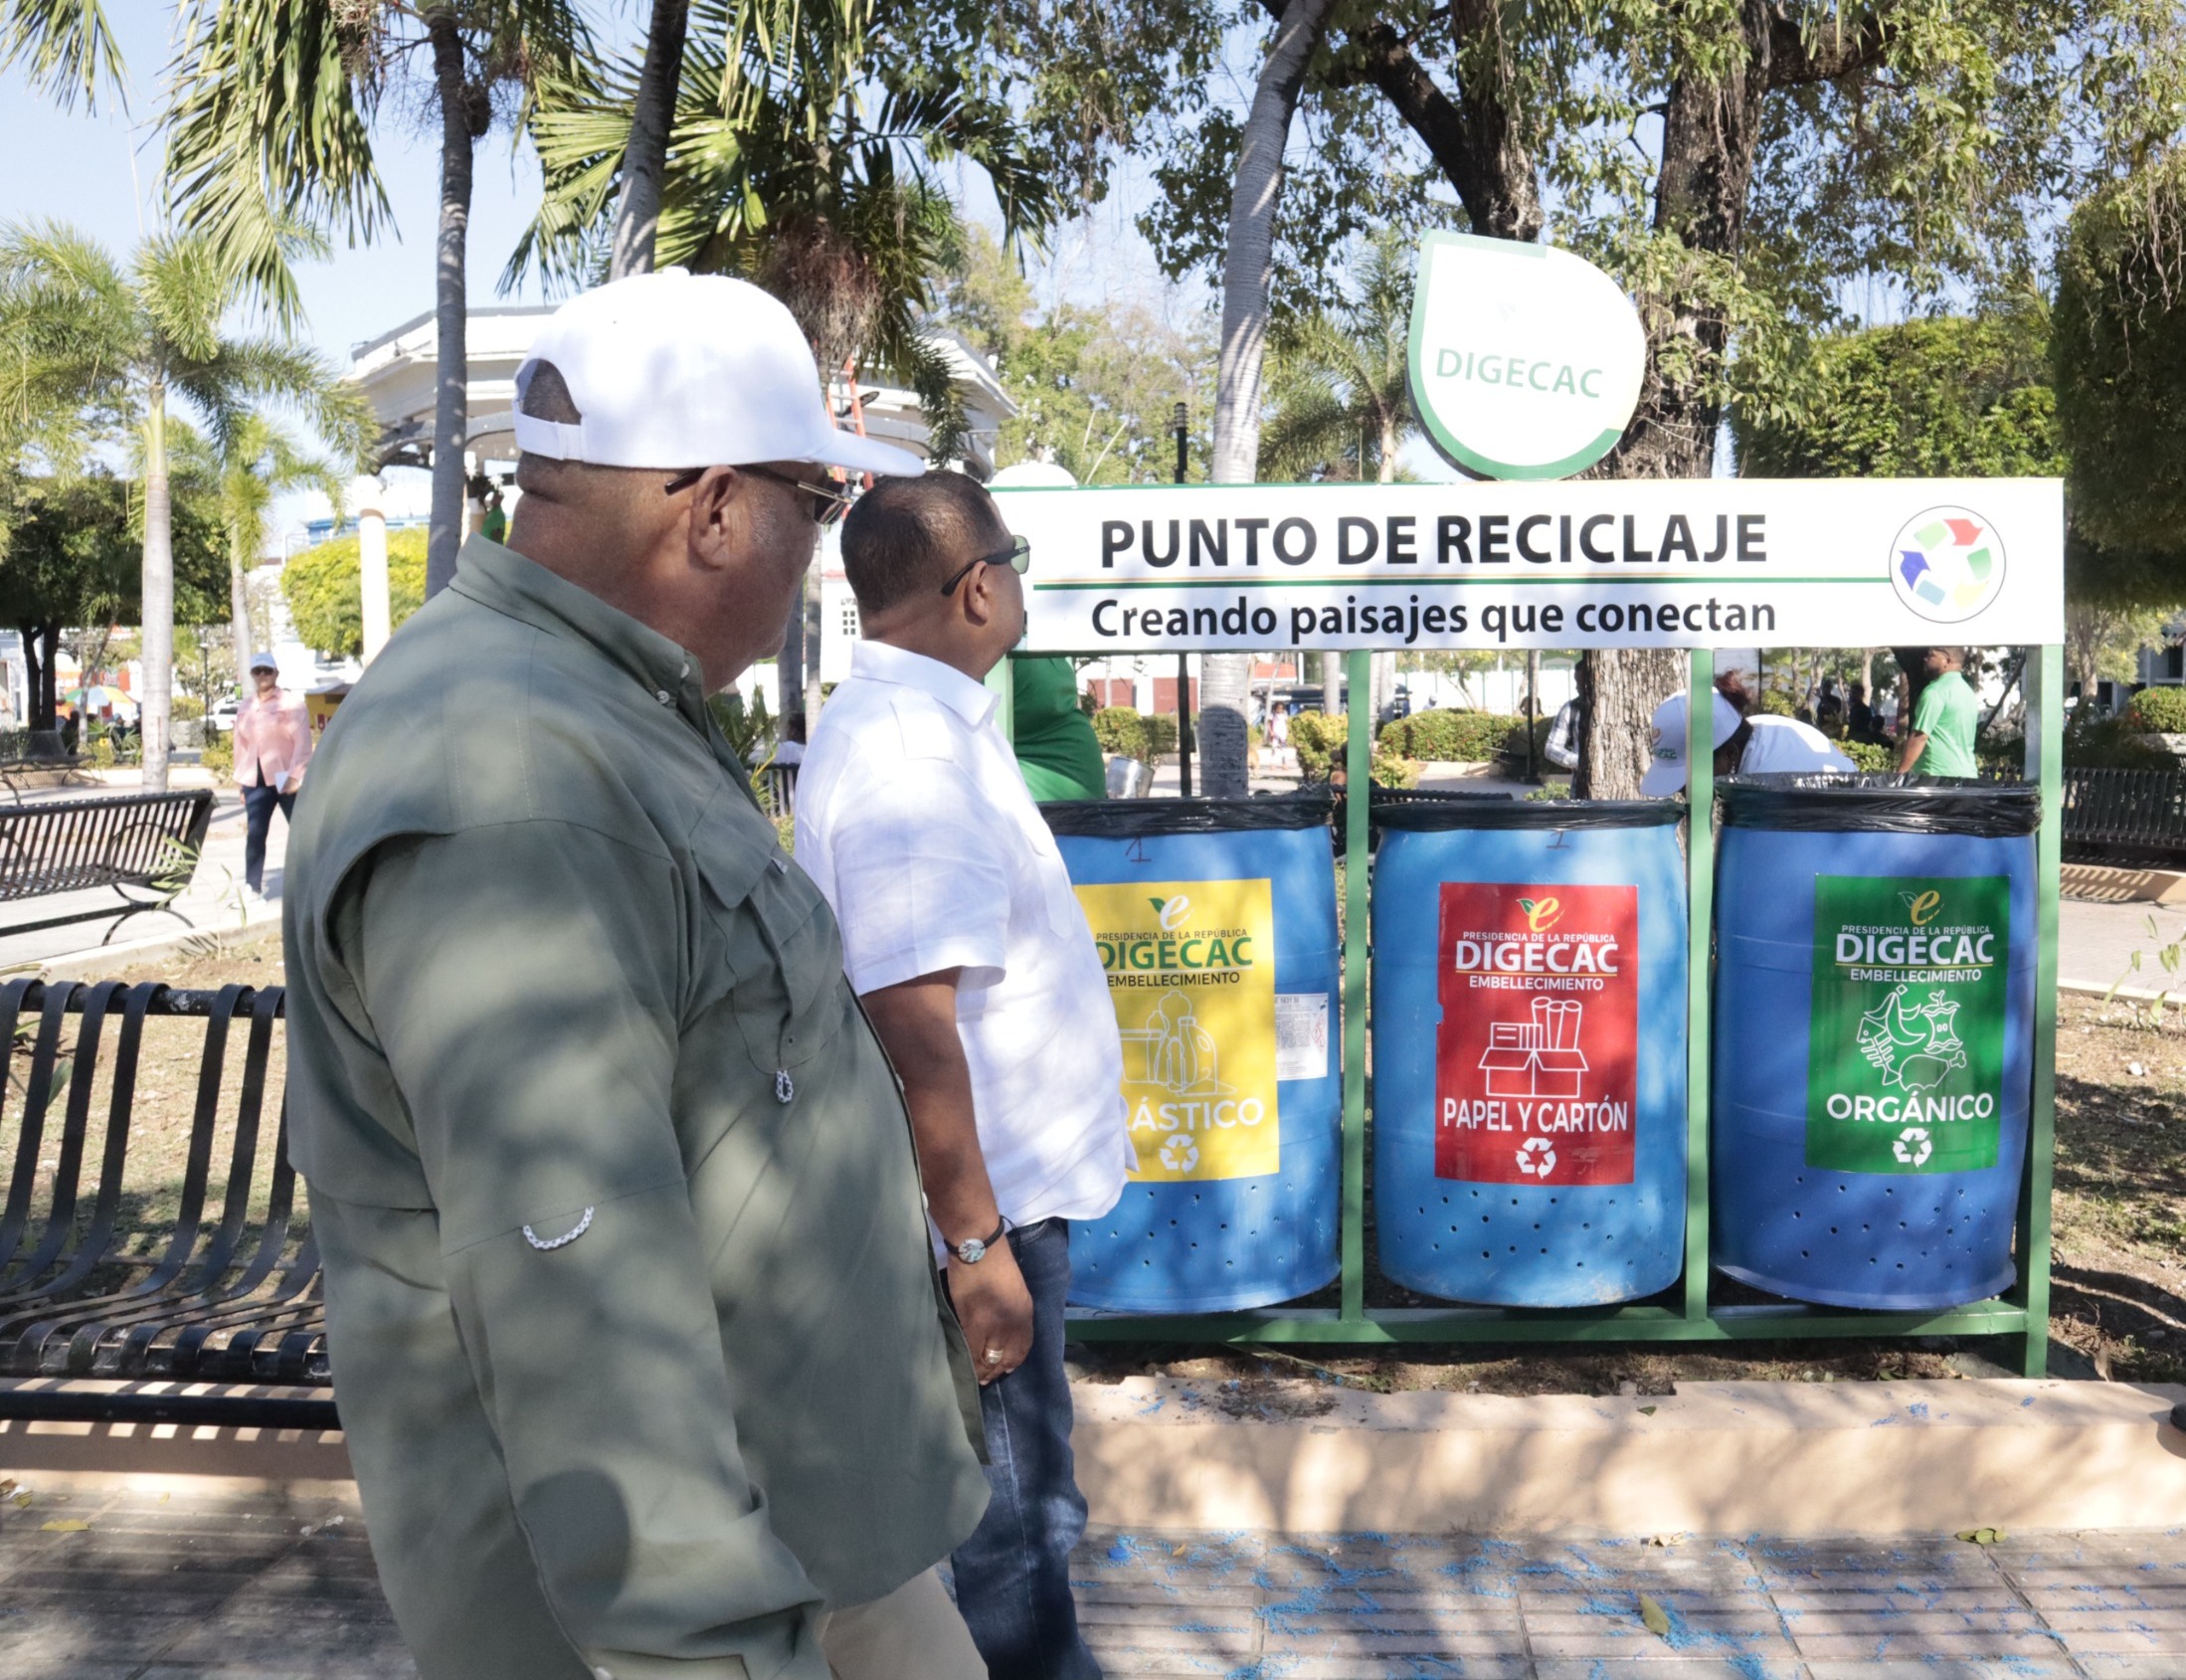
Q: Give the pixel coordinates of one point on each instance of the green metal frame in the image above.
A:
(2021, 1312)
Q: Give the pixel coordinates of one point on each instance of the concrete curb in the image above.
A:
(1785, 1458)
(264, 918)
(1779, 1458)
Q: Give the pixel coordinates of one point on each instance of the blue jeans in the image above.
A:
(257, 819)
(1014, 1573)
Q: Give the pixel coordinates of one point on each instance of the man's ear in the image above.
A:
(720, 516)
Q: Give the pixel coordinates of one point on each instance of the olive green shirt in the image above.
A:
(640, 1353)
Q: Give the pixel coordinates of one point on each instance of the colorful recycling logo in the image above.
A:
(1947, 564)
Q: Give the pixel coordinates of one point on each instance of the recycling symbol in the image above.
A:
(1178, 1153)
(1538, 1157)
(1914, 1146)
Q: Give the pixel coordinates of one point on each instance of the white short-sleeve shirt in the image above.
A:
(916, 823)
(1784, 743)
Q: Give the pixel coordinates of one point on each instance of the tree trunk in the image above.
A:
(37, 710)
(1225, 680)
(1331, 683)
(646, 160)
(1618, 691)
(459, 124)
(239, 607)
(790, 669)
(155, 704)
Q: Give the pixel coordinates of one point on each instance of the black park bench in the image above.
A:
(142, 846)
(190, 1269)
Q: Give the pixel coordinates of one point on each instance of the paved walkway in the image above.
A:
(206, 1587)
(2097, 942)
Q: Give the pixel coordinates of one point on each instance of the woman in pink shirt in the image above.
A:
(273, 745)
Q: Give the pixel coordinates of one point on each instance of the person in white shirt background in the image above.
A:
(962, 936)
(1747, 743)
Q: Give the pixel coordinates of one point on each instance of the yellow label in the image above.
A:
(1191, 972)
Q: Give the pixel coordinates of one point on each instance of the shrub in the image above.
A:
(1126, 732)
(1869, 757)
(1448, 737)
(2161, 711)
(1321, 740)
(185, 708)
(2113, 743)
(220, 756)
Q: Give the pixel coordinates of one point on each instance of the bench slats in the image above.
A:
(233, 1298)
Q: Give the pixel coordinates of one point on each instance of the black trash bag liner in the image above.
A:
(1143, 818)
(1838, 803)
(1430, 810)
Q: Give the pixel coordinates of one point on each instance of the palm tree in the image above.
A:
(801, 156)
(64, 47)
(1248, 268)
(1341, 389)
(646, 160)
(1343, 398)
(271, 129)
(124, 337)
(260, 460)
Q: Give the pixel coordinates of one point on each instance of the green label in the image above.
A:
(1906, 1053)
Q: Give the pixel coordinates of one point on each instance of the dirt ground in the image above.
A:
(2119, 1299)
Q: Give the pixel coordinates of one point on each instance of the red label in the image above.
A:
(1534, 1059)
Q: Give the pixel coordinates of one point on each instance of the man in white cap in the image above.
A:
(641, 1356)
(273, 744)
(1746, 745)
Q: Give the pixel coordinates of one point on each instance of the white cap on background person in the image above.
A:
(266, 661)
(1667, 774)
(674, 370)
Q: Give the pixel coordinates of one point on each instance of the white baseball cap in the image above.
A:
(265, 662)
(674, 370)
(1667, 774)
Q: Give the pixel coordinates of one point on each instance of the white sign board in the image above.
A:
(1641, 563)
(1526, 360)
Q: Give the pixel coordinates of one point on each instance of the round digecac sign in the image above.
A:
(1947, 564)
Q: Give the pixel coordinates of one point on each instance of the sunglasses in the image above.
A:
(1017, 557)
(826, 502)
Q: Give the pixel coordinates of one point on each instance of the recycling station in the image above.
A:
(1617, 1093)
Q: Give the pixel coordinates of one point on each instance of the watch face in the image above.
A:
(971, 1251)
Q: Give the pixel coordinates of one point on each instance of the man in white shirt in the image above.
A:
(961, 932)
(1744, 746)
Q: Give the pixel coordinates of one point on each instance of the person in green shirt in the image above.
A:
(494, 528)
(1946, 716)
(1057, 751)
(645, 1368)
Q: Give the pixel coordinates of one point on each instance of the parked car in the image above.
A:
(222, 715)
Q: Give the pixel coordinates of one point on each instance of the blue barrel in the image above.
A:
(1530, 1048)
(1873, 1032)
(1216, 921)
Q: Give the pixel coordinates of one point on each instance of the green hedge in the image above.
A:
(1321, 740)
(1449, 737)
(1127, 731)
(2113, 743)
(2160, 711)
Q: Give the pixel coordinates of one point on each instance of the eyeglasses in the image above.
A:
(827, 502)
(1017, 557)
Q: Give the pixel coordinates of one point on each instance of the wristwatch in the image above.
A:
(973, 1249)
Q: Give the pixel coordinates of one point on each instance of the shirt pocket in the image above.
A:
(782, 950)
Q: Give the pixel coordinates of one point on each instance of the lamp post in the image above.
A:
(1180, 425)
